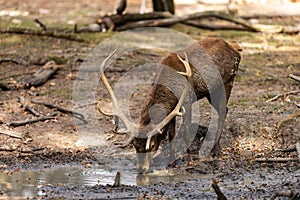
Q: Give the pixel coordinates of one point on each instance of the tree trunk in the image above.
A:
(164, 5)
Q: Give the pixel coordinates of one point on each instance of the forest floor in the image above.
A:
(254, 127)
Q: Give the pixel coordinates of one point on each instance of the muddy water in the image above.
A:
(27, 183)
(24, 184)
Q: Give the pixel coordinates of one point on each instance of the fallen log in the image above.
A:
(40, 77)
(180, 19)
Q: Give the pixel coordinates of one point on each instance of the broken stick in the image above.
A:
(28, 107)
(294, 77)
(282, 95)
(217, 190)
(27, 121)
(10, 133)
(288, 193)
(275, 159)
(40, 77)
(63, 110)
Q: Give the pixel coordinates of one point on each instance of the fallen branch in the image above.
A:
(10, 149)
(7, 148)
(289, 149)
(14, 75)
(30, 150)
(288, 194)
(28, 107)
(27, 121)
(63, 110)
(43, 26)
(217, 190)
(179, 19)
(10, 133)
(282, 95)
(86, 105)
(9, 60)
(40, 77)
(294, 77)
(211, 26)
(275, 159)
(109, 22)
(48, 33)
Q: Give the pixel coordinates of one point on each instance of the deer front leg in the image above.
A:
(187, 120)
(171, 134)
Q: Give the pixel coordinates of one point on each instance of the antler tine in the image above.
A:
(176, 112)
(103, 112)
(130, 126)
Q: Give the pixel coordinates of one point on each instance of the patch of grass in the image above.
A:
(243, 101)
(61, 93)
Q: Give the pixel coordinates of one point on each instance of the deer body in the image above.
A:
(154, 127)
(225, 58)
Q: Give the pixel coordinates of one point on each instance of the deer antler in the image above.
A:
(176, 112)
(131, 128)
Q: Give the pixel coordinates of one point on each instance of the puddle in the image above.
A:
(25, 184)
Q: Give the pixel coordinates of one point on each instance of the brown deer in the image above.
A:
(209, 67)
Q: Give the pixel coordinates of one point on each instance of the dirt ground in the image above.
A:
(254, 127)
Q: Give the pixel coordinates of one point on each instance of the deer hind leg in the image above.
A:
(218, 101)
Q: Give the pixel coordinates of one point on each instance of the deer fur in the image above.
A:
(224, 56)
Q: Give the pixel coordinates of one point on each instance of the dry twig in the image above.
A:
(217, 190)
(289, 149)
(275, 159)
(10, 133)
(282, 95)
(288, 194)
(27, 121)
(63, 110)
(28, 107)
(294, 77)
(48, 33)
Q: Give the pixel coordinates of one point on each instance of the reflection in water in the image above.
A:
(26, 183)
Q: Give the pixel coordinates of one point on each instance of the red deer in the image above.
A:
(153, 127)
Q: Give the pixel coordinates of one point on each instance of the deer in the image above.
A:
(179, 69)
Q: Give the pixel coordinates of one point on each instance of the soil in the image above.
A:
(254, 127)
